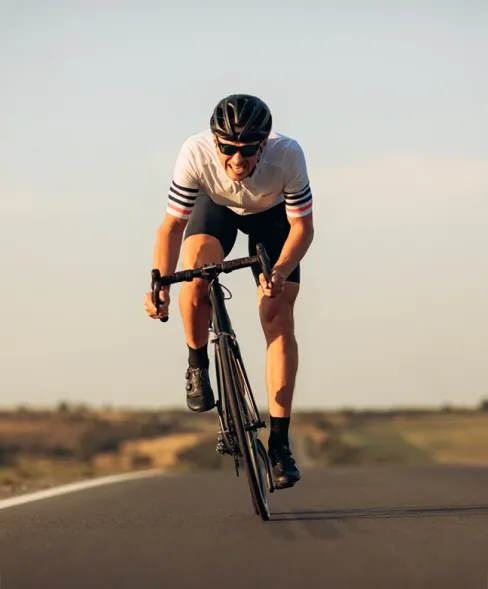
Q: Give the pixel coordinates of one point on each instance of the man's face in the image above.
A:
(238, 166)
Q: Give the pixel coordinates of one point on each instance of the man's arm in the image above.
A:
(168, 243)
(296, 245)
(298, 204)
(183, 192)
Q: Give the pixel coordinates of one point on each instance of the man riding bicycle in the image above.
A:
(240, 176)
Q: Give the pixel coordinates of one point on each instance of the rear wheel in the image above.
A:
(250, 446)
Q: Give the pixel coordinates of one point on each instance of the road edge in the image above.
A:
(77, 486)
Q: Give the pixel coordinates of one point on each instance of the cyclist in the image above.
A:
(239, 175)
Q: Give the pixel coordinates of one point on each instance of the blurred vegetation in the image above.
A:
(43, 447)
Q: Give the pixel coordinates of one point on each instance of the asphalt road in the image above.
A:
(385, 527)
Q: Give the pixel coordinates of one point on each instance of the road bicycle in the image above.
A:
(239, 417)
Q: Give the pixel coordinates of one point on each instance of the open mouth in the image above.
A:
(237, 169)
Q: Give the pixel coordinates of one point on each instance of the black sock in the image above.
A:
(279, 430)
(198, 358)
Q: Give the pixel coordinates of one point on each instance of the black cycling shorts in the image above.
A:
(270, 227)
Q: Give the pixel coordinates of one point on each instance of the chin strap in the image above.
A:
(258, 160)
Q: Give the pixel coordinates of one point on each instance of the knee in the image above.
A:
(277, 321)
(195, 291)
(198, 250)
(201, 249)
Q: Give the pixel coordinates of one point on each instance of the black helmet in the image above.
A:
(241, 117)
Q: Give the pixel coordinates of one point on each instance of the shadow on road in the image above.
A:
(383, 512)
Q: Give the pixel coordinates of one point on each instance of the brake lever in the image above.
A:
(155, 288)
(265, 264)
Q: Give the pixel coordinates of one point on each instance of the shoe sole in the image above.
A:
(205, 407)
(279, 486)
(201, 409)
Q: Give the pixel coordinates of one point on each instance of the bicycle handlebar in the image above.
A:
(208, 271)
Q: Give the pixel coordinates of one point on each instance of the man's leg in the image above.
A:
(194, 304)
(195, 312)
(281, 369)
(276, 314)
(210, 235)
(282, 350)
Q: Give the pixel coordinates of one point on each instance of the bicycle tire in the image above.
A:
(248, 446)
(252, 415)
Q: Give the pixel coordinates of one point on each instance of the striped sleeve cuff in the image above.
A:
(298, 204)
(181, 200)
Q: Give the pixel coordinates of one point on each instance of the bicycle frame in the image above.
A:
(221, 326)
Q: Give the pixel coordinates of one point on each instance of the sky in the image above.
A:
(389, 101)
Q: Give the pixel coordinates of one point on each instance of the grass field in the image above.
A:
(43, 448)
(449, 439)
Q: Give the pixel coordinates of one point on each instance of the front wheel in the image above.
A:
(250, 446)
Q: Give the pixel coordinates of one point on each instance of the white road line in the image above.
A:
(77, 486)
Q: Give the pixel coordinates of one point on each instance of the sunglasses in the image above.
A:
(245, 150)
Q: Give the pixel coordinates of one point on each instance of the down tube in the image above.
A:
(220, 317)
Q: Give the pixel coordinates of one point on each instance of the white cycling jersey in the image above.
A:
(280, 175)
